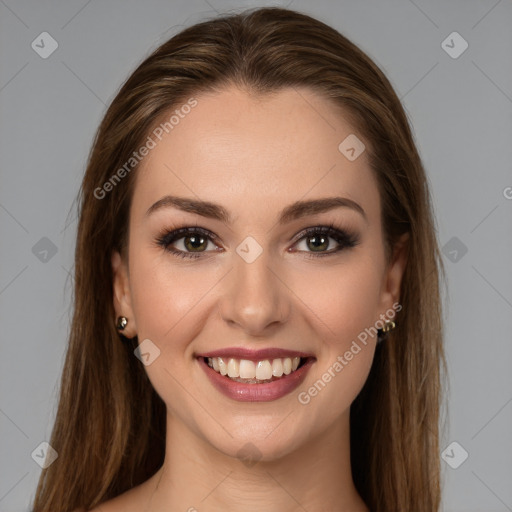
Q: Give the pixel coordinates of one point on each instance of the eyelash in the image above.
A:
(345, 239)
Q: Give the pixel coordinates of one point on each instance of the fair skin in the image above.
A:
(254, 156)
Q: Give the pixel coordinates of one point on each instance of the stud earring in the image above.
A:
(389, 325)
(122, 321)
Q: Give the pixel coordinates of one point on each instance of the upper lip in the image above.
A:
(255, 355)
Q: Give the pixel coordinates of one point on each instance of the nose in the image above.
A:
(255, 299)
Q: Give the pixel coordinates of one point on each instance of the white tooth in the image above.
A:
(263, 370)
(210, 363)
(215, 361)
(295, 363)
(287, 366)
(233, 368)
(247, 369)
(277, 367)
(223, 367)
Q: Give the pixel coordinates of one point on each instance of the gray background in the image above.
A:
(461, 112)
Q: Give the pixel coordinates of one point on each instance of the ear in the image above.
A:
(122, 294)
(395, 270)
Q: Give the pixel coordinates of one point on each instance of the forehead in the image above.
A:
(255, 153)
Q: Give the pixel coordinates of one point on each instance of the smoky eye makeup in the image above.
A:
(193, 242)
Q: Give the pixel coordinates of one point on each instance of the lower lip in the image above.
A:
(257, 392)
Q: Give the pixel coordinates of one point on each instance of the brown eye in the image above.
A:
(320, 243)
(318, 240)
(194, 243)
(186, 242)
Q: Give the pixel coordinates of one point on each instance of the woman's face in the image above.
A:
(251, 278)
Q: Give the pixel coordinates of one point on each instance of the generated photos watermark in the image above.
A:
(304, 397)
(151, 143)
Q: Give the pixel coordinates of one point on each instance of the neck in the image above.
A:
(196, 477)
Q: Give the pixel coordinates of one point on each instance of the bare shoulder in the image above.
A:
(107, 506)
(113, 505)
(133, 500)
(118, 504)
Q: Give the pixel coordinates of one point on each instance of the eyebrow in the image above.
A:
(294, 211)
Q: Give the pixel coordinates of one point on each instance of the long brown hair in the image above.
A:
(108, 410)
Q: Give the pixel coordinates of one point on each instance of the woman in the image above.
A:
(257, 321)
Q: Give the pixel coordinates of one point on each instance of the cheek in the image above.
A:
(348, 307)
(343, 298)
(169, 304)
(169, 298)
(345, 304)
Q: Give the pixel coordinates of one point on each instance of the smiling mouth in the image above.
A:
(255, 372)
